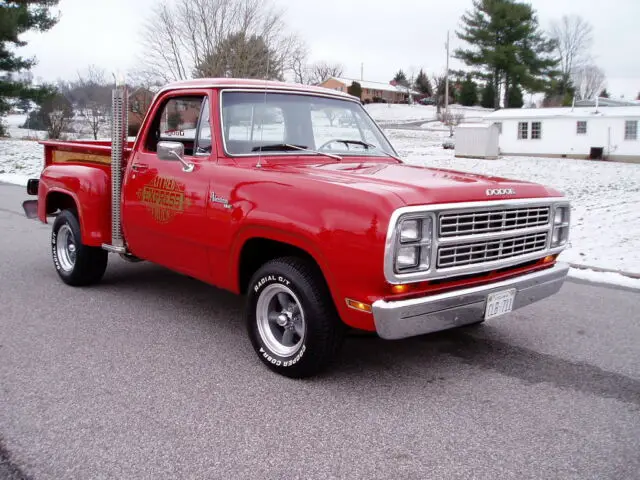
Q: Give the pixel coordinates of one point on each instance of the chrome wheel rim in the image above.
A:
(280, 320)
(66, 248)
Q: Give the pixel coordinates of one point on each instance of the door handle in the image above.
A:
(139, 167)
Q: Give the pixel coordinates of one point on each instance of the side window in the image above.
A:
(536, 130)
(523, 130)
(203, 145)
(177, 121)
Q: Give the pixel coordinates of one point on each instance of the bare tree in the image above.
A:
(438, 82)
(573, 37)
(94, 98)
(451, 119)
(589, 80)
(58, 115)
(298, 63)
(321, 71)
(195, 37)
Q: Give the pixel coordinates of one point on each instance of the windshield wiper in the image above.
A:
(288, 146)
(367, 146)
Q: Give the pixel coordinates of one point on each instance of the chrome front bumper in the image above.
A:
(407, 318)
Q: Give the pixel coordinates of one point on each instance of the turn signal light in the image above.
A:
(400, 288)
(549, 258)
(363, 307)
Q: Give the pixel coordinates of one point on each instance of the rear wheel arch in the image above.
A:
(56, 202)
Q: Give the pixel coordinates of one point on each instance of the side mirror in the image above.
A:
(174, 151)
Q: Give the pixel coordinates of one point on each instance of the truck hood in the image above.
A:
(417, 185)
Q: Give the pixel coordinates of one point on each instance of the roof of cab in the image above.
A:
(254, 84)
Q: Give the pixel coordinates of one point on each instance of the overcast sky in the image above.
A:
(383, 35)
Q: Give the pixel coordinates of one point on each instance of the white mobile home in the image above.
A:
(585, 132)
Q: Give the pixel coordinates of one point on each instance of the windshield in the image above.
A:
(259, 121)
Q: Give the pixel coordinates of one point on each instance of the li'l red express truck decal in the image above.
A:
(164, 197)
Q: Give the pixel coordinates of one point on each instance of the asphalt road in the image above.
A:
(150, 375)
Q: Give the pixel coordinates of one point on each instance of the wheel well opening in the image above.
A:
(258, 251)
(57, 201)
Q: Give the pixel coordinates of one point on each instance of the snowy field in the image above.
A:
(386, 114)
(605, 196)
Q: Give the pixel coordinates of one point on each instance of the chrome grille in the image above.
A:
(488, 251)
(491, 221)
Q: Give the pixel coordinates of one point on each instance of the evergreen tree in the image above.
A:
(515, 99)
(638, 97)
(401, 79)
(355, 89)
(423, 85)
(468, 92)
(16, 18)
(560, 92)
(24, 104)
(604, 93)
(507, 47)
(488, 95)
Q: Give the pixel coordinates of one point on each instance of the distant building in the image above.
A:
(139, 101)
(602, 133)
(372, 91)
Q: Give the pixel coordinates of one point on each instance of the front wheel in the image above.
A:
(291, 318)
(77, 264)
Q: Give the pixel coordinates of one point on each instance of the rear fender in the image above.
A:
(90, 189)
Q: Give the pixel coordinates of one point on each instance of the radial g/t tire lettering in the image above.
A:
(291, 318)
(77, 264)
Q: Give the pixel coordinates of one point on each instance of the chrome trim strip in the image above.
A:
(406, 318)
(303, 89)
(444, 241)
(396, 278)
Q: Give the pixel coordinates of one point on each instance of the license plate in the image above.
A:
(499, 303)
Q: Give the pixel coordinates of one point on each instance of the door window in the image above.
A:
(178, 120)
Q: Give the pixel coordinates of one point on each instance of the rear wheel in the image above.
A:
(77, 264)
(291, 318)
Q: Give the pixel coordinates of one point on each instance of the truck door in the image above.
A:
(164, 209)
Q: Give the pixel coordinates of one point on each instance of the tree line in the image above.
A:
(506, 54)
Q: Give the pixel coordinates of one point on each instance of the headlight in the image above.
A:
(410, 231)
(407, 257)
(413, 245)
(560, 234)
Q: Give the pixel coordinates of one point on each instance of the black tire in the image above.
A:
(323, 330)
(88, 263)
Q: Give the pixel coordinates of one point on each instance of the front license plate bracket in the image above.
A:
(499, 303)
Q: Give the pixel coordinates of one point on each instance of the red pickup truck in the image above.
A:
(293, 196)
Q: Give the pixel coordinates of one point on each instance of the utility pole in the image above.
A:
(362, 71)
(446, 79)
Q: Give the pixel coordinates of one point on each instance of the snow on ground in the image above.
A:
(606, 277)
(605, 196)
(399, 113)
(387, 113)
(20, 160)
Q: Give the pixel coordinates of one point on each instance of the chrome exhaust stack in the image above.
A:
(119, 112)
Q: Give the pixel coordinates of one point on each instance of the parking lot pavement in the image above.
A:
(151, 375)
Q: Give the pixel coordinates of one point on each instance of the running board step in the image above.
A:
(114, 248)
